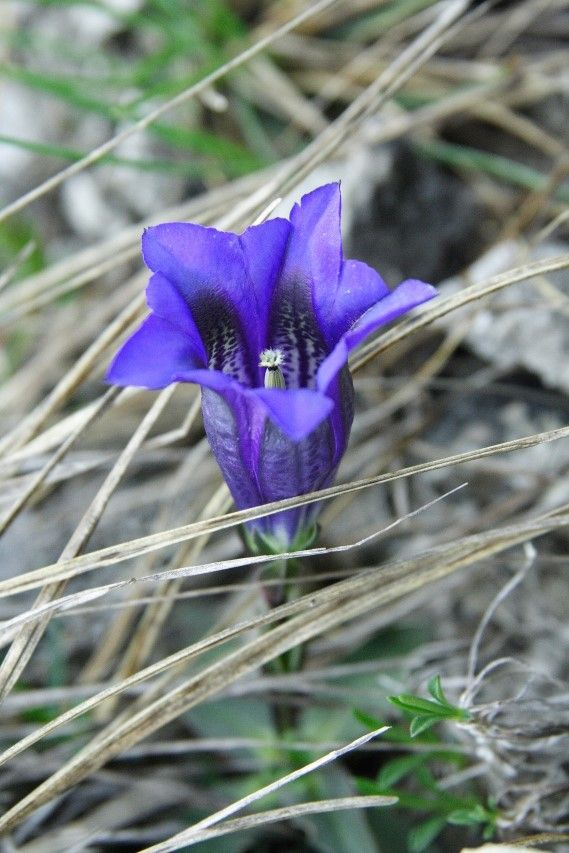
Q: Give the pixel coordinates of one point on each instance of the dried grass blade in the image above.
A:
(371, 587)
(170, 578)
(191, 835)
(148, 629)
(24, 644)
(137, 547)
(336, 605)
(89, 415)
(155, 669)
(72, 379)
(151, 117)
(8, 275)
(274, 815)
(442, 306)
(370, 100)
(121, 629)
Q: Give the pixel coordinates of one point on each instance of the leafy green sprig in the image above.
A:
(411, 777)
(426, 712)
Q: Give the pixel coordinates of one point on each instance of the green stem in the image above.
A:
(285, 714)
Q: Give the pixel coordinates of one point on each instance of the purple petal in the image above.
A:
(318, 296)
(341, 392)
(307, 286)
(264, 248)
(305, 458)
(234, 429)
(167, 302)
(296, 412)
(201, 262)
(311, 267)
(315, 248)
(359, 289)
(259, 460)
(157, 354)
(287, 468)
(406, 296)
(208, 269)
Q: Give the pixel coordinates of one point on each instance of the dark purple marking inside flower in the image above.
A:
(293, 331)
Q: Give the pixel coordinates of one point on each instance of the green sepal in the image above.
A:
(262, 543)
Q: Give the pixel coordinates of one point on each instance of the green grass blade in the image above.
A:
(501, 168)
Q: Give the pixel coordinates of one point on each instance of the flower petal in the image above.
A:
(208, 269)
(319, 295)
(407, 295)
(286, 468)
(234, 429)
(201, 262)
(296, 412)
(166, 301)
(315, 248)
(264, 248)
(157, 354)
(309, 275)
(270, 444)
(360, 287)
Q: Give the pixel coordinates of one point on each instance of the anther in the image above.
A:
(271, 360)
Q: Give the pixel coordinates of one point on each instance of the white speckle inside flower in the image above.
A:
(271, 360)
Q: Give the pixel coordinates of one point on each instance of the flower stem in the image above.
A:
(285, 714)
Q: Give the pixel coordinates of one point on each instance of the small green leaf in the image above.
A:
(367, 720)
(421, 836)
(469, 817)
(416, 704)
(463, 817)
(396, 769)
(435, 689)
(426, 708)
(421, 724)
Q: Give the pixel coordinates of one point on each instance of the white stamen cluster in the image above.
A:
(271, 359)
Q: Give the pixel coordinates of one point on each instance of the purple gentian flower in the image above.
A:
(264, 322)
